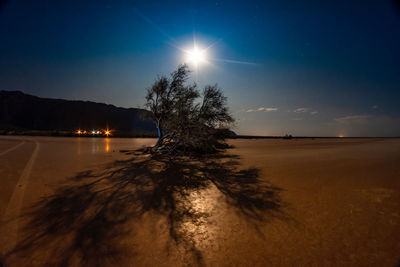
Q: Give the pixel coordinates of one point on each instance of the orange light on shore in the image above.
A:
(94, 132)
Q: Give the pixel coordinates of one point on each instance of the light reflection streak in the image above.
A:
(107, 140)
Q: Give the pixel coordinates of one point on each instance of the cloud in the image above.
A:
(297, 119)
(375, 106)
(262, 109)
(301, 110)
(359, 119)
(305, 110)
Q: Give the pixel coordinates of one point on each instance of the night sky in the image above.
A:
(316, 68)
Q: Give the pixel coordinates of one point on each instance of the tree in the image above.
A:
(184, 122)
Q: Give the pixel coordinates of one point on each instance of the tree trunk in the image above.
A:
(160, 134)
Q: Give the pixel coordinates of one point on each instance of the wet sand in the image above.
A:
(322, 202)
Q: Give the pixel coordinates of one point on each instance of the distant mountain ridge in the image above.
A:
(20, 111)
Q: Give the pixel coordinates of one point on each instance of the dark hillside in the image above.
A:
(19, 111)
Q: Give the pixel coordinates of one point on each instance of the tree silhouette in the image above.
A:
(184, 122)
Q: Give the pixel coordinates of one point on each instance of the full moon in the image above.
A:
(196, 56)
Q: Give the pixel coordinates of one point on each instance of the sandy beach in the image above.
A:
(299, 202)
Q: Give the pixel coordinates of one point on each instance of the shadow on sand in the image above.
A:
(83, 222)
